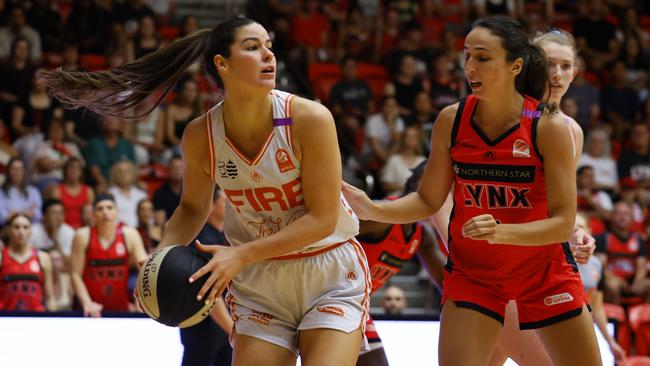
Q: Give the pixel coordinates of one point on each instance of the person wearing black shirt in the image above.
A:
(167, 197)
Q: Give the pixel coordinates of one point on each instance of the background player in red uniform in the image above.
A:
(388, 247)
(101, 258)
(510, 160)
(25, 272)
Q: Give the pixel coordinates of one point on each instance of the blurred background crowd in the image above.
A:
(385, 68)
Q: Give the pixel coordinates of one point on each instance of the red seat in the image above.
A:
(322, 78)
(169, 33)
(93, 62)
(376, 76)
(51, 60)
(617, 313)
(639, 317)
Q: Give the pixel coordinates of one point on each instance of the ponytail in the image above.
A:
(120, 91)
(533, 78)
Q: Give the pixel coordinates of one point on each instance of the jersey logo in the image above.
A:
(33, 266)
(331, 309)
(351, 276)
(489, 155)
(284, 161)
(495, 196)
(558, 299)
(261, 199)
(256, 176)
(227, 170)
(120, 249)
(520, 149)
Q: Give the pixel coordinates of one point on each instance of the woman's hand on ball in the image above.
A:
(223, 266)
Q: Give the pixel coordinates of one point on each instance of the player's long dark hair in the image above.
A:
(120, 91)
(533, 78)
(413, 182)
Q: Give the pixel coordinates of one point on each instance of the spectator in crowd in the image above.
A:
(598, 155)
(432, 25)
(101, 258)
(33, 112)
(399, 165)
(587, 98)
(47, 22)
(150, 230)
(146, 39)
(423, 118)
(25, 272)
(62, 291)
(351, 97)
(131, 13)
(383, 131)
(310, 31)
(16, 196)
(15, 79)
(636, 63)
(51, 155)
(123, 181)
(7, 152)
(591, 274)
(634, 162)
(70, 57)
(102, 153)
(405, 85)
(445, 87)
(186, 106)
(595, 36)
(168, 196)
(637, 198)
(52, 233)
(409, 43)
(591, 201)
(206, 343)
(119, 42)
(393, 301)
(18, 27)
(86, 26)
(355, 36)
(190, 24)
(147, 135)
(73, 192)
(387, 34)
(623, 255)
(619, 103)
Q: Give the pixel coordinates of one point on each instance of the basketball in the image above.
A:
(164, 291)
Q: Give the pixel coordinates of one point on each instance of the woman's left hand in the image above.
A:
(582, 246)
(482, 227)
(224, 265)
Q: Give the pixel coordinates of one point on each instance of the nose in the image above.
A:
(268, 54)
(555, 71)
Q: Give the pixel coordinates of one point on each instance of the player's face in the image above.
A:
(19, 231)
(561, 69)
(55, 215)
(486, 68)
(105, 212)
(251, 61)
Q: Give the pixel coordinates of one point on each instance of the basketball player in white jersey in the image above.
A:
(297, 280)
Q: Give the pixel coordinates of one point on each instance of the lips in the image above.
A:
(268, 70)
(475, 84)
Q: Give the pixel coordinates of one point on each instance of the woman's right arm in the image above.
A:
(198, 187)
(77, 264)
(434, 187)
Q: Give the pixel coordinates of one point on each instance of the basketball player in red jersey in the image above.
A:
(297, 280)
(388, 247)
(101, 258)
(511, 162)
(25, 272)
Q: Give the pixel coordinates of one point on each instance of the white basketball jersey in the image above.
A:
(264, 194)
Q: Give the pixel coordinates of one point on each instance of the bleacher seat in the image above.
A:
(639, 318)
(93, 62)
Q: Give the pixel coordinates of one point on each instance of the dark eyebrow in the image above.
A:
(253, 39)
(478, 48)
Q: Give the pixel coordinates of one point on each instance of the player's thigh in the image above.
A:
(467, 337)
(376, 357)
(320, 347)
(522, 346)
(572, 342)
(251, 351)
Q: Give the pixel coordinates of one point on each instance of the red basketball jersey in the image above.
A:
(387, 257)
(622, 254)
(106, 272)
(21, 284)
(504, 178)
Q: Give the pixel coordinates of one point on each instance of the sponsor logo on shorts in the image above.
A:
(260, 317)
(558, 299)
(331, 309)
(351, 276)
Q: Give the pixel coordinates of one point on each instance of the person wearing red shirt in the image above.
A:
(101, 258)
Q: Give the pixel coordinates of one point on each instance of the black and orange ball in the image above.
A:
(164, 291)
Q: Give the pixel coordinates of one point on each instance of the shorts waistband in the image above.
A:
(309, 253)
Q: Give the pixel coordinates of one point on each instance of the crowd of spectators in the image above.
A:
(54, 161)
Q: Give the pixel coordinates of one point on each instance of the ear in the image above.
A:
(219, 62)
(517, 66)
